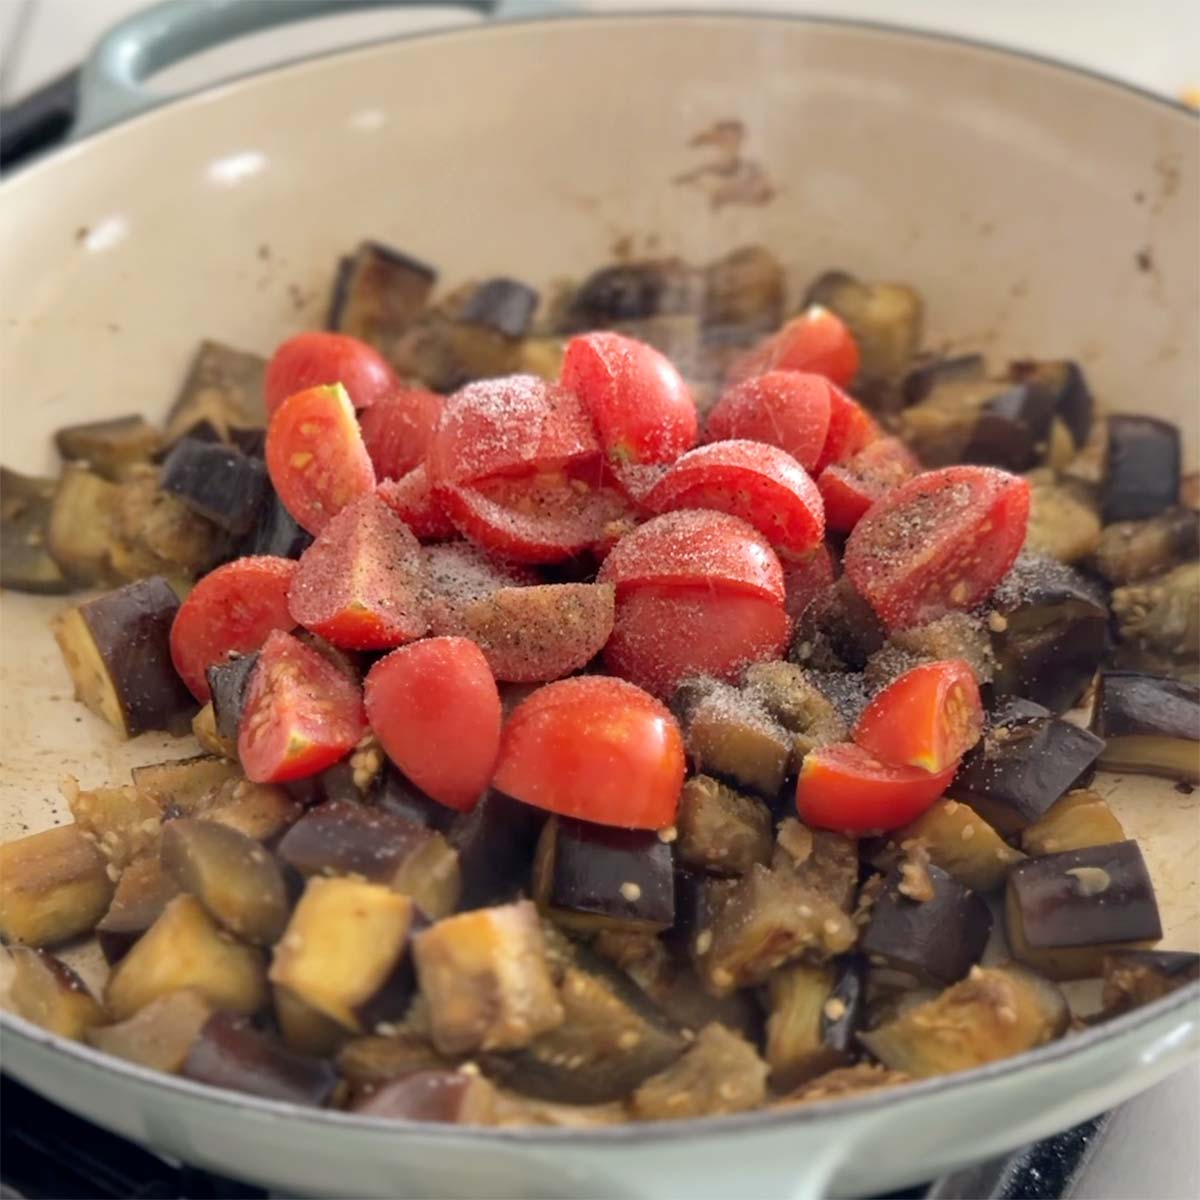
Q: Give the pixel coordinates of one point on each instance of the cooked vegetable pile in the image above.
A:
(604, 715)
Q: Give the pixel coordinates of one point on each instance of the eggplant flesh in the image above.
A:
(729, 734)
(1143, 469)
(1065, 381)
(927, 374)
(1158, 623)
(1129, 551)
(453, 1097)
(505, 305)
(960, 842)
(80, 531)
(721, 830)
(26, 564)
(1078, 820)
(223, 391)
(1136, 977)
(378, 293)
(1151, 725)
(50, 994)
(635, 291)
(142, 892)
(219, 482)
(228, 682)
(108, 447)
(815, 1012)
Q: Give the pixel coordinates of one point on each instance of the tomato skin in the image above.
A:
(360, 585)
(762, 485)
(301, 713)
(412, 500)
(315, 456)
(841, 787)
(435, 708)
(928, 717)
(788, 409)
(805, 579)
(663, 635)
(595, 748)
(642, 408)
(849, 489)
(317, 359)
(938, 543)
(817, 340)
(231, 610)
(695, 547)
(398, 428)
(851, 429)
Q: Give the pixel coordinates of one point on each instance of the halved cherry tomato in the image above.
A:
(805, 579)
(662, 635)
(436, 711)
(763, 485)
(318, 359)
(301, 714)
(851, 428)
(230, 611)
(315, 455)
(928, 717)
(412, 501)
(361, 584)
(697, 547)
(788, 409)
(595, 748)
(641, 406)
(842, 787)
(398, 428)
(938, 543)
(817, 340)
(458, 574)
(850, 488)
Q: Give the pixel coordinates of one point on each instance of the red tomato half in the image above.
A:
(457, 575)
(695, 547)
(230, 611)
(763, 485)
(938, 543)
(817, 340)
(412, 501)
(436, 711)
(850, 488)
(319, 359)
(928, 717)
(805, 579)
(662, 635)
(851, 428)
(641, 406)
(301, 714)
(788, 409)
(315, 456)
(361, 584)
(595, 748)
(841, 787)
(398, 429)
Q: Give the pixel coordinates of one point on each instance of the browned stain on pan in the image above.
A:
(728, 176)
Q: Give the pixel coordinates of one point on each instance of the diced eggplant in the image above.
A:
(960, 842)
(445, 353)
(814, 1014)
(185, 948)
(728, 734)
(223, 391)
(124, 823)
(846, 1081)
(486, 978)
(344, 951)
(635, 291)
(1064, 380)
(228, 682)
(838, 631)
(25, 561)
(1063, 525)
(1143, 469)
(495, 843)
(792, 697)
(1158, 622)
(369, 1062)
(48, 993)
(1150, 725)
(160, 1035)
(1129, 551)
(1025, 762)
(230, 1053)
(204, 729)
(259, 810)
(117, 650)
(1136, 977)
(219, 482)
(826, 862)
(53, 885)
(109, 446)
(930, 373)
(431, 877)
(721, 830)
(303, 1028)
(236, 880)
(80, 530)
(1078, 820)
(935, 941)
(394, 794)
(454, 1097)
(992, 1014)
(378, 293)
(505, 305)
(340, 837)
(157, 534)
(142, 892)
(745, 288)
(1064, 912)
(720, 1073)
(276, 533)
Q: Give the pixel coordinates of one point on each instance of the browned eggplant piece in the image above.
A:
(236, 880)
(1158, 623)
(1063, 524)
(343, 952)
(591, 877)
(25, 561)
(745, 289)
(108, 447)
(368, 1062)
(846, 1081)
(814, 1013)
(826, 862)
(455, 1097)
(184, 948)
(160, 1034)
(635, 291)
(391, 792)
(486, 978)
(1065, 381)
(431, 877)
(303, 1028)
(960, 842)
(1150, 725)
(1064, 912)
(992, 1014)
(495, 843)
(259, 810)
(935, 941)
(117, 649)
(928, 373)
(721, 830)
(1049, 633)
(230, 1053)
(79, 534)
(276, 532)
(1143, 470)
(720, 1073)
(1078, 820)
(1136, 977)
(838, 631)
(504, 305)
(445, 353)
(793, 698)
(378, 293)
(53, 885)
(729, 734)
(228, 682)
(143, 891)
(1129, 551)
(340, 837)
(1026, 761)
(204, 729)
(955, 635)
(181, 785)
(219, 482)
(48, 993)
(223, 391)
(124, 823)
